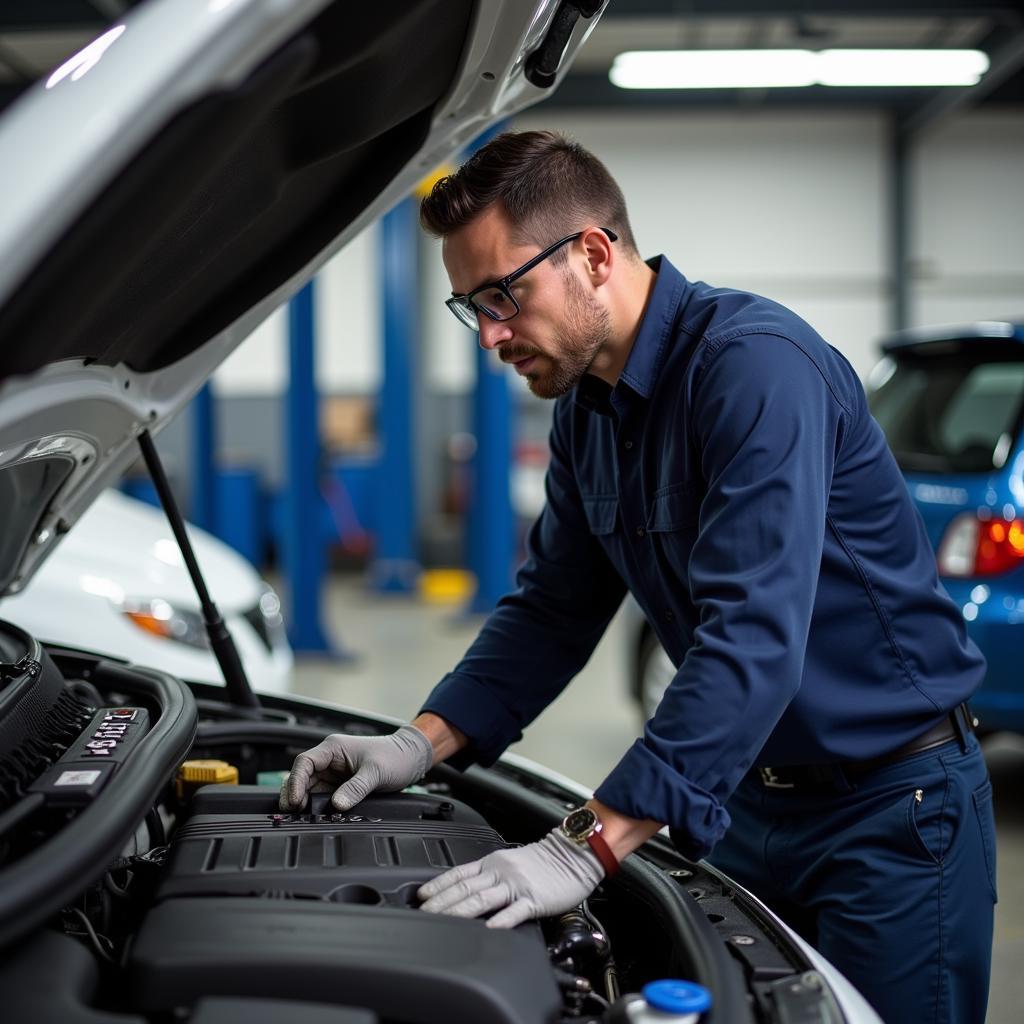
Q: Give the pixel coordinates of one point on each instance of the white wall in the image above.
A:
(968, 248)
(449, 348)
(347, 329)
(792, 205)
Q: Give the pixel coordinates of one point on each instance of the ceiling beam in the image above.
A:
(112, 9)
(20, 67)
(1004, 63)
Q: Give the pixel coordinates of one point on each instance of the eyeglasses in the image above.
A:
(495, 299)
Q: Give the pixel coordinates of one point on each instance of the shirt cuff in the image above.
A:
(641, 785)
(472, 708)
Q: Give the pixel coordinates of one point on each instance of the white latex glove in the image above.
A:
(538, 880)
(357, 766)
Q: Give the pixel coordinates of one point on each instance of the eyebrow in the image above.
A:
(483, 284)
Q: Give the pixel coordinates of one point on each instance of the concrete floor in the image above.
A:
(402, 648)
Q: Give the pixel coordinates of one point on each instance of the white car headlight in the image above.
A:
(159, 618)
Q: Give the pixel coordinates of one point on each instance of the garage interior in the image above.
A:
(867, 209)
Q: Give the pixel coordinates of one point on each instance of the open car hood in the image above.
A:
(184, 175)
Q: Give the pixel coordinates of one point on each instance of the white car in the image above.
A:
(118, 585)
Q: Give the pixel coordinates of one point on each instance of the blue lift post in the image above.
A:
(202, 506)
(491, 529)
(304, 556)
(491, 519)
(396, 568)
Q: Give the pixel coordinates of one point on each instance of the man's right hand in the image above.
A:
(355, 766)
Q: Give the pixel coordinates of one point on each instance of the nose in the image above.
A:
(493, 332)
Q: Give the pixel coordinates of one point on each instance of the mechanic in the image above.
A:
(714, 456)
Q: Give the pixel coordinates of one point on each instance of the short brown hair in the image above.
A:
(549, 185)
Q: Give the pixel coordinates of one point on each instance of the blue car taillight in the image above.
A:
(977, 546)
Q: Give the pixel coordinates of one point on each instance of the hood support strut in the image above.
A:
(239, 691)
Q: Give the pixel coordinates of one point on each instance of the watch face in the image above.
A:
(580, 823)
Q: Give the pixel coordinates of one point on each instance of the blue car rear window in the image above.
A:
(954, 408)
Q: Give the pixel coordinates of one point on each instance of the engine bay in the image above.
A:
(130, 893)
(319, 905)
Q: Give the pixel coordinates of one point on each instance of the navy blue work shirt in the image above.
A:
(734, 481)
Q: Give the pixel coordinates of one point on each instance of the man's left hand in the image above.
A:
(538, 880)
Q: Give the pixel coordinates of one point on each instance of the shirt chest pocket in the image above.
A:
(602, 512)
(672, 525)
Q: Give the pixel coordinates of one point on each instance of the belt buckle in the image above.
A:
(772, 781)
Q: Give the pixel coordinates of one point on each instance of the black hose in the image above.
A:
(157, 835)
(542, 65)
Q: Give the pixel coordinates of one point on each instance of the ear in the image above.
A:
(600, 255)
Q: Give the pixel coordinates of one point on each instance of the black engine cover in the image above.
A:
(237, 843)
(404, 964)
(320, 907)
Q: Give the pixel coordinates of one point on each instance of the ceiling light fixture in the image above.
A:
(789, 69)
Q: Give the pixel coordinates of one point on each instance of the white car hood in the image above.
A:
(185, 175)
(151, 566)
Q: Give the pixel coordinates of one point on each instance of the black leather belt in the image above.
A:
(958, 724)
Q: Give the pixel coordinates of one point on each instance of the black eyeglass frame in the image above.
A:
(467, 312)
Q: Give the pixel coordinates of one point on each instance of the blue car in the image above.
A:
(951, 402)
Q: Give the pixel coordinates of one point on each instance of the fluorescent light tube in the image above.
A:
(789, 69)
(901, 67)
(713, 69)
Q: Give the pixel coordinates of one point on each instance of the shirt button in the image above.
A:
(669, 615)
(641, 532)
(627, 445)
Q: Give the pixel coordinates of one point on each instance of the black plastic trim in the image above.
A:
(36, 886)
(259, 732)
(689, 927)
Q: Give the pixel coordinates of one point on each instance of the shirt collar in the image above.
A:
(648, 352)
(649, 349)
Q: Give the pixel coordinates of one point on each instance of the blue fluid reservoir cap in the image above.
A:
(674, 996)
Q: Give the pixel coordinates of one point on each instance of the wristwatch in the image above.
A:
(581, 826)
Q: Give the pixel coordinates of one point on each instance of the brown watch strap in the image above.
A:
(603, 852)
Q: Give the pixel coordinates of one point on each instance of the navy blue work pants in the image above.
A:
(892, 878)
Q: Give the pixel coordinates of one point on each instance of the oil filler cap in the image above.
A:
(193, 774)
(670, 995)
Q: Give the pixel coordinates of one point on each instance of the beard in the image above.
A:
(584, 332)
